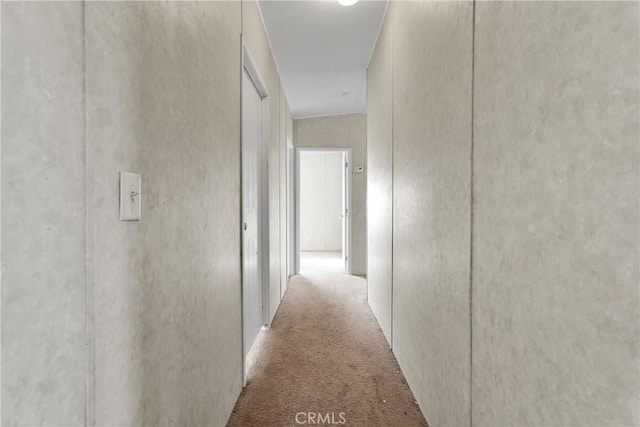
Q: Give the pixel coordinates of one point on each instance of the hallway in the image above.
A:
(476, 262)
(325, 353)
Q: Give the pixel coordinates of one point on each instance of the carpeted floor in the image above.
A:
(325, 361)
(329, 261)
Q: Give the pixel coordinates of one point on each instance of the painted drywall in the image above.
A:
(346, 131)
(556, 224)
(380, 178)
(321, 201)
(555, 217)
(44, 352)
(257, 42)
(163, 308)
(290, 201)
(431, 202)
(122, 323)
(115, 122)
(285, 119)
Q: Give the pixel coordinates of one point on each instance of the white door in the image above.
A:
(252, 126)
(345, 211)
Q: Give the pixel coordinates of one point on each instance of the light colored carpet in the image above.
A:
(325, 354)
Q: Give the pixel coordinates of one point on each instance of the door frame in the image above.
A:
(291, 228)
(349, 196)
(249, 66)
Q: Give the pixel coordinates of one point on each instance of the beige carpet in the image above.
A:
(325, 360)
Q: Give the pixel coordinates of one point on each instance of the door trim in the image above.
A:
(252, 70)
(291, 228)
(349, 222)
(248, 65)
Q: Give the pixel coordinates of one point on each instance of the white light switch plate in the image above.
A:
(130, 196)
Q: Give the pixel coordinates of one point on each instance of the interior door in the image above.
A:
(252, 293)
(345, 211)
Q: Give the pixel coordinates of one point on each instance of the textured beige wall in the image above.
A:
(115, 124)
(555, 278)
(345, 131)
(255, 37)
(431, 204)
(158, 302)
(380, 178)
(285, 118)
(192, 303)
(44, 352)
(289, 233)
(555, 298)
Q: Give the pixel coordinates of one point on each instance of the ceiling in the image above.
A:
(322, 50)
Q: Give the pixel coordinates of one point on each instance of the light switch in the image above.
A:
(130, 196)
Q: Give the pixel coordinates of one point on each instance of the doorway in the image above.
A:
(323, 206)
(255, 223)
(291, 214)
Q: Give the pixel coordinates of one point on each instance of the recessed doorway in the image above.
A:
(323, 209)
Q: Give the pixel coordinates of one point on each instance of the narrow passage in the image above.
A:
(325, 357)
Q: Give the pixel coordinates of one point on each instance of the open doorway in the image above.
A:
(323, 209)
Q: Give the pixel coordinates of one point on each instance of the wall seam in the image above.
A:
(280, 91)
(1, 211)
(473, 55)
(241, 206)
(89, 244)
(391, 35)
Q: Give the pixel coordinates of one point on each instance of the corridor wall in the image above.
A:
(257, 41)
(286, 139)
(510, 160)
(431, 80)
(43, 214)
(556, 225)
(380, 177)
(163, 306)
(344, 131)
(124, 323)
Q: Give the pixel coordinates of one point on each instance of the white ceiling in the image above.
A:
(322, 50)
